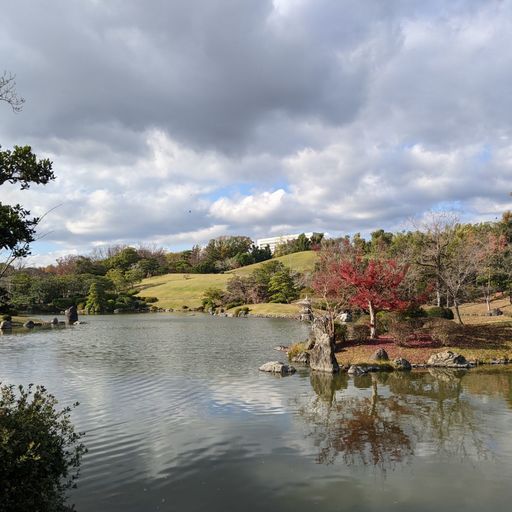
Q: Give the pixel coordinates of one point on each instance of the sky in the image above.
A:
(170, 122)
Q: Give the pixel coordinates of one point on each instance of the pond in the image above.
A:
(178, 418)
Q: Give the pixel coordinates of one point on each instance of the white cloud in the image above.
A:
(174, 125)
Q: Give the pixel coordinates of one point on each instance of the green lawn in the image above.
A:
(273, 310)
(178, 290)
(299, 261)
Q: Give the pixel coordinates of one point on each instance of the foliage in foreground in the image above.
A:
(40, 452)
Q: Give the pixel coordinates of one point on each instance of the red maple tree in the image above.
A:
(345, 278)
(375, 285)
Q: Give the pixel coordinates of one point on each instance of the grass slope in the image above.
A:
(178, 290)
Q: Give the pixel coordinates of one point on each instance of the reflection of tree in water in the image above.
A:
(384, 428)
(364, 430)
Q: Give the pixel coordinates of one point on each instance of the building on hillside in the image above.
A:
(274, 241)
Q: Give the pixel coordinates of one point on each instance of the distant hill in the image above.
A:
(178, 290)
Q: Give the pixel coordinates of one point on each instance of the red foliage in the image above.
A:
(376, 282)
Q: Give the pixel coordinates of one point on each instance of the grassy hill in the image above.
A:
(178, 290)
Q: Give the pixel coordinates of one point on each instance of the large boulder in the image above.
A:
(71, 315)
(321, 356)
(380, 355)
(277, 367)
(448, 359)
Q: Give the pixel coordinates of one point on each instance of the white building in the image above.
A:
(274, 241)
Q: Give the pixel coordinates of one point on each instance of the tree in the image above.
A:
(376, 286)
(212, 298)
(96, 299)
(261, 278)
(8, 92)
(329, 286)
(19, 166)
(345, 275)
(282, 287)
(437, 234)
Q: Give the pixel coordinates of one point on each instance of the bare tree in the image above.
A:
(437, 229)
(452, 254)
(8, 92)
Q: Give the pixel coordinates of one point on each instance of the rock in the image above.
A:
(448, 359)
(356, 370)
(55, 321)
(281, 348)
(380, 355)
(402, 364)
(321, 356)
(5, 325)
(71, 315)
(277, 367)
(302, 357)
(29, 324)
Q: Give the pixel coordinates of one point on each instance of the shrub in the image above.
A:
(358, 332)
(150, 300)
(340, 332)
(241, 311)
(444, 331)
(402, 330)
(296, 349)
(7, 318)
(438, 312)
(40, 452)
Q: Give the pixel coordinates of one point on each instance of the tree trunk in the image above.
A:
(457, 312)
(373, 327)
(438, 293)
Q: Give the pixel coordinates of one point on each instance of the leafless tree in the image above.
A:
(8, 92)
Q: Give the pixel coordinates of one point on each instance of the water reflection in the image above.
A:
(384, 419)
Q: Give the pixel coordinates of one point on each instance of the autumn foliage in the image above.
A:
(346, 278)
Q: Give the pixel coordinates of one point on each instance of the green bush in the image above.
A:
(40, 452)
(340, 332)
(241, 311)
(149, 300)
(438, 312)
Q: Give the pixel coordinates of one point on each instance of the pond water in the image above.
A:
(178, 418)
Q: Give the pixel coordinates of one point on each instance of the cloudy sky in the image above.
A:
(174, 121)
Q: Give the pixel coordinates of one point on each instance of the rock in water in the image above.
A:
(402, 364)
(277, 367)
(380, 355)
(448, 359)
(29, 324)
(321, 356)
(356, 370)
(5, 325)
(71, 315)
